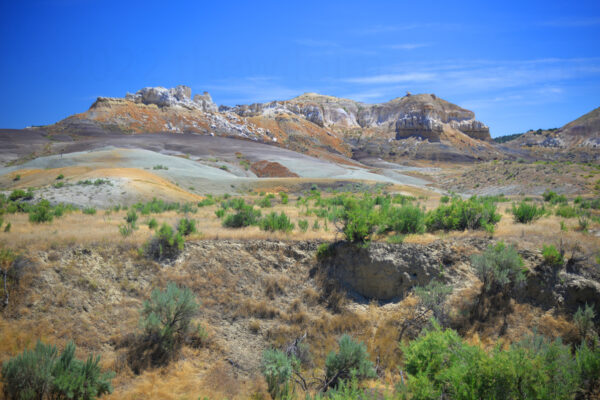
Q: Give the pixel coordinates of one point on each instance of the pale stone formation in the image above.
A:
(178, 96)
(422, 115)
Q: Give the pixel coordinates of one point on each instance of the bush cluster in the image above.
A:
(439, 364)
(276, 222)
(41, 373)
(474, 213)
(525, 212)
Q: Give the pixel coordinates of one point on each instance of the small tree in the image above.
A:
(351, 361)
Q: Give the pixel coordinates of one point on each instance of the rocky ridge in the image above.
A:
(313, 124)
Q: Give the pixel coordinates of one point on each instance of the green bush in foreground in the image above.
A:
(439, 364)
(89, 211)
(41, 212)
(278, 369)
(42, 374)
(186, 226)
(526, 213)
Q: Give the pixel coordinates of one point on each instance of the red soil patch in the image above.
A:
(268, 169)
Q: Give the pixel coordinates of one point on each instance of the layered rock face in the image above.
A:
(421, 115)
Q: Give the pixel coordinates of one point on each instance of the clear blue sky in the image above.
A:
(517, 64)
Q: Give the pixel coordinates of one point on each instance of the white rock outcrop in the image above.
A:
(178, 96)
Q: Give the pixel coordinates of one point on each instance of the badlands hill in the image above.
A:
(578, 138)
(414, 126)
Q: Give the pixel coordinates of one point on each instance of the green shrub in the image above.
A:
(284, 197)
(186, 226)
(59, 177)
(278, 370)
(131, 217)
(439, 364)
(7, 227)
(21, 194)
(264, 202)
(89, 210)
(552, 256)
(553, 198)
(405, 219)
(152, 224)
(17, 178)
(526, 213)
(208, 201)
(159, 167)
(584, 321)
(245, 215)
(303, 225)
(276, 222)
(325, 250)
(126, 230)
(566, 211)
(42, 374)
(220, 213)
(167, 315)
(499, 268)
(165, 244)
(583, 223)
(41, 212)
(58, 185)
(459, 214)
(444, 199)
(351, 361)
(396, 239)
(359, 219)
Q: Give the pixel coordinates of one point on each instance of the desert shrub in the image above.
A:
(42, 374)
(499, 268)
(583, 223)
(21, 194)
(17, 178)
(359, 219)
(405, 219)
(168, 314)
(220, 213)
(89, 210)
(526, 213)
(566, 211)
(325, 250)
(587, 359)
(278, 369)
(439, 364)
(351, 361)
(432, 297)
(208, 201)
(60, 176)
(284, 197)
(276, 222)
(552, 256)
(459, 214)
(554, 198)
(159, 167)
(131, 217)
(402, 199)
(41, 212)
(155, 207)
(58, 185)
(303, 225)
(590, 203)
(166, 243)
(264, 202)
(126, 230)
(152, 224)
(186, 226)
(444, 199)
(7, 227)
(99, 182)
(245, 215)
(584, 321)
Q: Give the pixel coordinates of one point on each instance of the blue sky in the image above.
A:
(517, 64)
